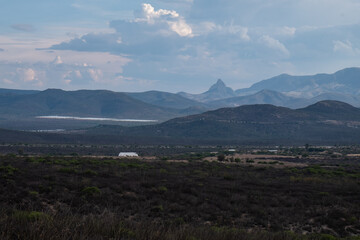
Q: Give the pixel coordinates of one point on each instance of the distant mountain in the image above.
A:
(280, 99)
(326, 122)
(10, 92)
(84, 103)
(350, 99)
(217, 91)
(262, 97)
(167, 100)
(346, 81)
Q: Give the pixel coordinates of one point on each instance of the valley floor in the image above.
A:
(179, 197)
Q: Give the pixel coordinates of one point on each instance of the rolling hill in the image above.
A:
(325, 122)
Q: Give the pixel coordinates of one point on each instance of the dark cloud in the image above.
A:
(23, 27)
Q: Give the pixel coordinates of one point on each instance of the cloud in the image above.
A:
(287, 31)
(274, 44)
(345, 47)
(255, 13)
(26, 74)
(2, 50)
(154, 32)
(7, 81)
(23, 27)
(169, 41)
(171, 17)
(150, 14)
(61, 74)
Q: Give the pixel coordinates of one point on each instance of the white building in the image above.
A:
(128, 154)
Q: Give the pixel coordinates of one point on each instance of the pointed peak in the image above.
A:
(220, 82)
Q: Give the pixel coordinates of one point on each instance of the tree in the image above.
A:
(221, 157)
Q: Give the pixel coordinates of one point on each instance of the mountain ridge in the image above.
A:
(257, 123)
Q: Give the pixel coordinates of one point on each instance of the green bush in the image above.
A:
(29, 215)
(90, 172)
(67, 170)
(91, 191)
(9, 170)
(162, 189)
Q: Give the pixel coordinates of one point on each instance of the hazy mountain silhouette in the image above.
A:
(217, 91)
(165, 99)
(346, 81)
(85, 103)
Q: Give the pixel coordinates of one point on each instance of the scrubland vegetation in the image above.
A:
(59, 197)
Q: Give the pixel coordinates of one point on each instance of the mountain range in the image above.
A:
(345, 81)
(86, 103)
(284, 90)
(323, 123)
(217, 91)
(320, 123)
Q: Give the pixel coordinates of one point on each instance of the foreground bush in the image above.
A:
(34, 226)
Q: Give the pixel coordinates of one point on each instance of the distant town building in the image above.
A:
(128, 154)
(232, 150)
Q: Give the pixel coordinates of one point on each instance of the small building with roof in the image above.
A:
(128, 154)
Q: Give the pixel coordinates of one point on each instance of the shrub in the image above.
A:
(33, 193)
(162, 189)
(158, 208)
(29, 215)
(228, 177)
(8, 169)
(91, 191)
(67, 170)
(221, 157)
(90, 172)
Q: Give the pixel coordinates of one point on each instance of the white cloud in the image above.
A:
(181, 28)
(287, 31)
(242, 31)
(345, 47)
(27, 75)
(150, 13)
(274, 44)
(95, 74)
(171, 17)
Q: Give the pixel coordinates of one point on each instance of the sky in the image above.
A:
(172, 45)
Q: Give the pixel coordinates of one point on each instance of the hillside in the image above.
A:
(345, 81)
(11, 92)
(262, 97)
(83, 103)
(167, 100)
(322, 123)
